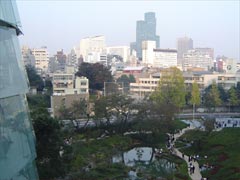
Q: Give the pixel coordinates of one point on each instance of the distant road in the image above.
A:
(197, 115)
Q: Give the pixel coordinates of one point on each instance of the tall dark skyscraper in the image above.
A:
(145, 30)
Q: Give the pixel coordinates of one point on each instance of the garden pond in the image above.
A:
(145, 162)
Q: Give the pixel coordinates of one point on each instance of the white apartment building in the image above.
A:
(143, 87)
(238, 66)
(72, 59)
(103, 59)
(66, 89)
(123, 51)
(42, 59)
(147, 52)
(204, 79)
(194, 58)
(67, 83)
(230, 65)
(28, 57)
(92, 45)
(165, 58)
(206, 50)
(162, 58)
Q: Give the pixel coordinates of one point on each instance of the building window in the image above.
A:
(83, 83)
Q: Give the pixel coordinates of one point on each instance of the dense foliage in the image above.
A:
(49, 143)
(96, 73)
(170, 94)
(35, 80)
(212, 96)
(126, 80)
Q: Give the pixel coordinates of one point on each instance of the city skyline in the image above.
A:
(62, 24)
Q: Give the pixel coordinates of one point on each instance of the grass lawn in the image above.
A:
(221, 150)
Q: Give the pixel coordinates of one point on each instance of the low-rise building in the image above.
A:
(145, 86)
(68, 88)
(134, 70)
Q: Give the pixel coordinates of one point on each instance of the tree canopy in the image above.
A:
(170, 93)
(49, 144)
(78, 109)
(233, 99)
(171, 88)
(34, 79)
(195, 94)
(115, 105)
(126, 80)
(212, 96)
(96, 73)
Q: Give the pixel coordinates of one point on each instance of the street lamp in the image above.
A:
(193, 111)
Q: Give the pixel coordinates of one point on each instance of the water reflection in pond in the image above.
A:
(143, 161)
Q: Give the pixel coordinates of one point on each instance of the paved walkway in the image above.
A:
(196, 175)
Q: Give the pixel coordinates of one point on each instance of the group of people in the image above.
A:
(193, 158)
(170, 143)
(226, 122)
(191, 168)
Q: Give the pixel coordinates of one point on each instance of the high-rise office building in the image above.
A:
(194, 58)
(28, 57)
(161, 58)
(91, 47)
(123, 51)
(42, 59)
(145, 30)
(207, 51)
(183, 45)
(17, 141)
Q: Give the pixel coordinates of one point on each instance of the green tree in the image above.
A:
(238, 90)
(64, 112)
(103, 109)
(38, 100)
(49, 86)
(79, 109)
(34, 79)
(114, 106)
(195, 94)
(212, 96)
(222, 94)
(209, 125)
(170, 94)
(233, 99)
(96, 73)
(49, 143)
(126, 80)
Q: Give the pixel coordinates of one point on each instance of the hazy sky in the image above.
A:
(61, 24)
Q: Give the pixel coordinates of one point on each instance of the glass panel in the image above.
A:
(17, 140)
(12, 72)
(9, 13)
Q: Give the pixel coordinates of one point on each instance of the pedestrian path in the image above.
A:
(194, 173)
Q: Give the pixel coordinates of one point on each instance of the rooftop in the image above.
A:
(135, 68)
(165, 50)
